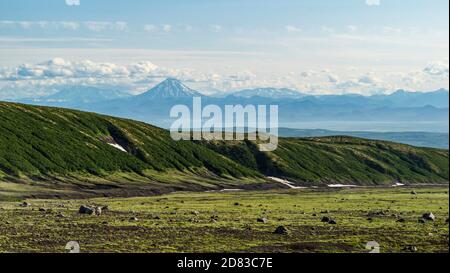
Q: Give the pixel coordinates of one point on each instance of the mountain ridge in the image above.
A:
(46, 151)
(402, 110)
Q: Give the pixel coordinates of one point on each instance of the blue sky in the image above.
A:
(320, 46)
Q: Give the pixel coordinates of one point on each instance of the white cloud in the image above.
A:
(150, 28)
(437, 69)
(368, 79)
(25, 24)
(52, 40)
(121, 26)
(327, 29)
(187, 28)
(60, 68)
(373, 2)
(306, 74)
(167, 28)
(98, 26)
(352, 28)
(65, 25)
(333, 78)
(216, 28)
(140, 76)
(292, 29)
(7, 24)
(73, 2)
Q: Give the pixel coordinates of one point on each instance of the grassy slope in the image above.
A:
(342, 159)
(51, 148)
(66, 146)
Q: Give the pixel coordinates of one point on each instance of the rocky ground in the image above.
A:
(295, 220)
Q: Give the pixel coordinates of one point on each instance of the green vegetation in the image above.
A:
(420, 139)
(341, 159)
(227, 222)
(52, 152)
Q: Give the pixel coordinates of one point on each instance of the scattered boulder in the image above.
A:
(237, 204)
(25, 205)
(92, 210)
(410, 249)
(332, 222)
(281, 230)
(134, 219)
(262, 220)
(98, 211)
(86, 210)
(195, 213)
(429, 216)
(328, 220)
(42, 210)
(414, 193)
(376, 213)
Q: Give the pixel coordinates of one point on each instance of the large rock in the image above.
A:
(429, 216)
(98, 211)
(332, 222)
(281, 230)
(92, 210)
(262, 220)
(25, 205)
(410, 249)
(86, 210)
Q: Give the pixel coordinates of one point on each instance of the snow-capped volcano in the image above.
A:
(170, 88)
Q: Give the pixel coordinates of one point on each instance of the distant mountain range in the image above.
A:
(77, 96)
(400, 111)
(419, 139)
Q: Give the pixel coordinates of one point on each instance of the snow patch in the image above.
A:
(398, 185)
(341, 186)
(225, 190)
(286, 183)
(117, 146)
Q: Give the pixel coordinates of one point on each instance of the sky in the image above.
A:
(314, 46)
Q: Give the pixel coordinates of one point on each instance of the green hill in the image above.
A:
(59, 152)
(341, 159)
